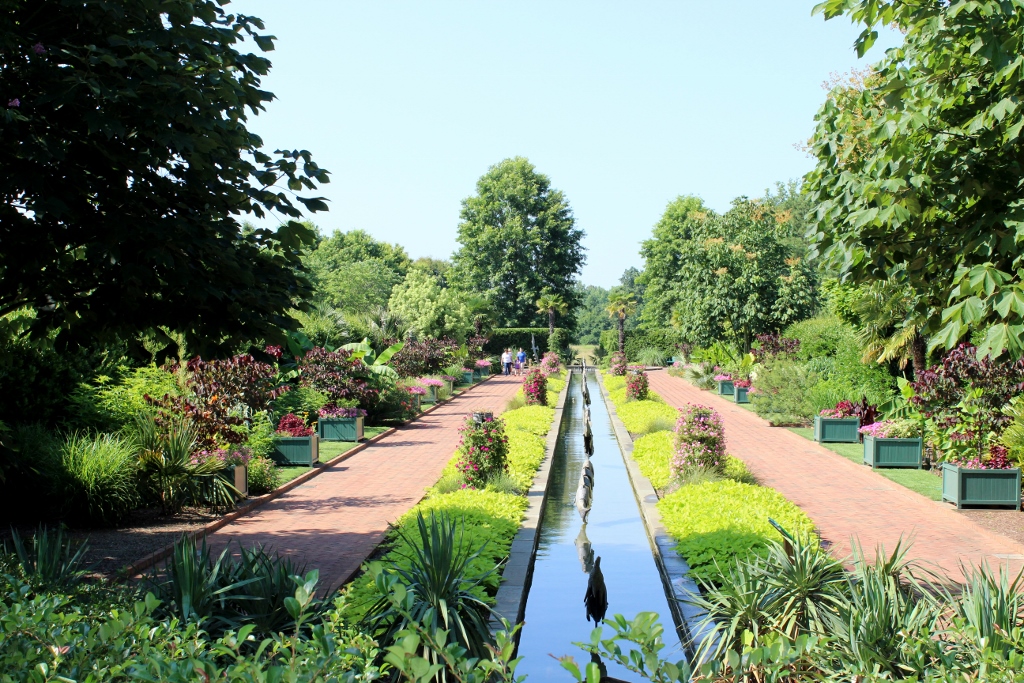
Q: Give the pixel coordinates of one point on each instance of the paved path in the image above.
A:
(334, 521)
(845, 499)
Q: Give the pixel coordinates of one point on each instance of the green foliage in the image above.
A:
(429, 309)
(261, 475)
(516, 338)
(653, 453)
(820, 336)
(782, 393)
(917, 169)
(109, 404)
(260, 435)
(517, 239)
(147, 109)
(531, 419)
(355, 273)
(643, 417)
(719, 521)
(99, 481)
(51, 561)
(558, 342)
(591, 317)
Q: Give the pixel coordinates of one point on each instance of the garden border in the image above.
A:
(517, 572)
(675, 572)
(135, 570)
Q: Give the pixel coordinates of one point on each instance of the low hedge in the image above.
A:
(724, 520)
(639, 417)
(516, 338)
(653, 453)
(665, 340)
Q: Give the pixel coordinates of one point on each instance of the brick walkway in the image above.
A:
(334, 521)
(844, 499)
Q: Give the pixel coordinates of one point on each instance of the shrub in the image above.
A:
(293, 425)
(551, 363)
(108, 405)
(782, 396)
(700, 439)
(99, 482)
(424, 356)
(725, 520)
(558, 343)
(637, 386)
(819, 337)
(337, 375)
(644, 417)
(617, 365)
(651, 356)
(653, 453)
(300, 400)
(535, 387)
(259, 435)
(483, 451)
(262, 475)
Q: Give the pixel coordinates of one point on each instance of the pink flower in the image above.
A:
(15, 103)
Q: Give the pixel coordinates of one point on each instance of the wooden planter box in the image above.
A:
(296, 450)
(237, 476)
(880, 452)
(477, 376)
(340, 428)
(431, 395)
(485, 372)
(980, 487)
(740, 394)
(725, 388)
(836, 429)
(467, 378)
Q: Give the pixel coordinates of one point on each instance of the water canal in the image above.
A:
(615, 532)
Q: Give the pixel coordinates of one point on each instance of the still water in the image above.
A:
(555, 614)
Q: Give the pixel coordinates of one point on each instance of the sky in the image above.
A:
(623, 105)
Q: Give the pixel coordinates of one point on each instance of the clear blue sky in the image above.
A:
(624, 105)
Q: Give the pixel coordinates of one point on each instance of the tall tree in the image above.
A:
(592, 318)
(353, 272)
(551, 305)
(662, 257)
(518, 238)
(934, 200)
(621, 305)
(429, 309)
(127, 164)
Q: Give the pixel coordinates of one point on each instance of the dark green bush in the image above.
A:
(820, 337)
(782, 392)
(518, 337)
(637, 341)
(559, 343)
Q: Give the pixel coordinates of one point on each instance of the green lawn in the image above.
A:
(921, 481)
(328, 450)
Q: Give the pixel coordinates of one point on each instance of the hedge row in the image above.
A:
(665, 340)
(519, 338)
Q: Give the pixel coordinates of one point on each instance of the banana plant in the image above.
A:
(375, 363)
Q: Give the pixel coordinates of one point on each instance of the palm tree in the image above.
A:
(621, 306)
(480, 309)
(551, 304)
(891, 327)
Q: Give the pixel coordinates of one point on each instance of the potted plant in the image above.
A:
(484, 368)
(893, 443)
(296, 444)
(741, 387)
(467, 376)
(431, 385)
(234, 466)
(452, 381)
(418, 393)
(992, 481)
(725, 384)
(837, 425)
(339, 423)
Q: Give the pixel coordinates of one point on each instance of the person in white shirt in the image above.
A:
(506, 361)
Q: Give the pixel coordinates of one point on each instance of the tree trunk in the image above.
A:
(551, 321)
(920, 355)
(622, 334)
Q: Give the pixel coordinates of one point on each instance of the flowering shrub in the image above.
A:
(262, 475)
(636, 386)
(292, 425)
(332, 410)
(741, 383)
(700, 439)
(617, 364)
(997, 460)
(416, 390)
(550, 363)
(723, 377)
(483, 363)
(892, 429)
(842, 409)
(535, 388)
(483, 451)
(431, 382)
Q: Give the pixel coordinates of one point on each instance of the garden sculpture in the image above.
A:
(588, 469)
(584, 494)
(596, 598)
(584, 550)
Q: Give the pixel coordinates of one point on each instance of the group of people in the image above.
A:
(513, 363)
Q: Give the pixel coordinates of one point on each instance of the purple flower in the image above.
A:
(15, 103)
(39, 49)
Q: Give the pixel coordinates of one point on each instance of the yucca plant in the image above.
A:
(178, 480)
(806, 584)
(734, 605)
(441, 587)
(989, 607)
(52, 560)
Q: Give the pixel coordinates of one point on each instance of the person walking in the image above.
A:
(506, 362)
(521, 360)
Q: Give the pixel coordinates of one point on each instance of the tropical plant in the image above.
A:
(551, 304)
(651, 356)
(621, 306)
(701, 375)
(98, 480)
(891, 326)
(52, 561)
(338, 375)
(440, 585)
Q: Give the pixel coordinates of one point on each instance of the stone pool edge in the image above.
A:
(517, 574)
(675, 572)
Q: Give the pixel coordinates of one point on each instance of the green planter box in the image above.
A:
(340, 428)
(467, 378)
(485, 372)
(296, 450)
(740, 394)
(836, 429)
(980, 487)
(725, 388)
(237, 476)
(431, 395)
(477, 376)
(880, 452)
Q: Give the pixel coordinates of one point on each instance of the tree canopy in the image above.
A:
(353, 272)
(518, 239)
(429, 309)
(127, 166)
(919, 172)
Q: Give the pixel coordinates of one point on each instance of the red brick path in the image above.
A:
(334, 521)
(844, 499)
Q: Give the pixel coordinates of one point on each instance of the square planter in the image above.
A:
(237, 476)
(980, 487)
(477, 376)
(836, 429)
(485, 372)
(431, 395)
(879, 452)
(740, 394)
(725, 388)
(467, 378)
(340, 428)
(296, 450)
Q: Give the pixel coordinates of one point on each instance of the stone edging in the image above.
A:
(517, 572)
(673, 569)
(134, 570)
